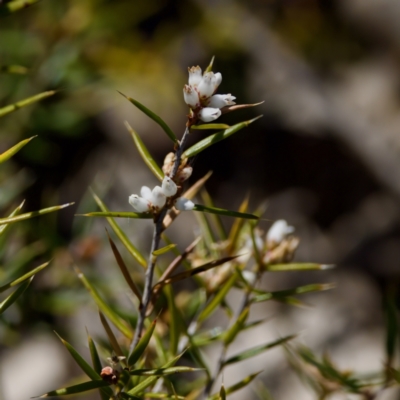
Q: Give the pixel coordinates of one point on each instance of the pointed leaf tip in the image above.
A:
(154, 117)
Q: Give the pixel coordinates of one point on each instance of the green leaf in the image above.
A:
(33, 214)
(237, 327)
(163, 371)
(124, 269)
(26, 102)
(121, 235)
(395, 374)
(329, 371)
(111, 337)
(237, 386)
(262, 392)
(94, 354)
(221, 211)
(298, 267)
(209, 67)
(210, 126)
(14, 69)
(104, 307)
(207, 235)
(80, 388)
(142, 345)
(23, 277)
(222, 393)
(147, 158)
(218, 298)
(4, 227)
(257, 350)
(15, 149)
(215, 217)
(281, 294)
(195, 271)
(154, 117)
(215, 138)
(175, 320)
(237, 226)
(14, 296)
(117, 214)
(164, 250)
(86, 368)
(152, 379)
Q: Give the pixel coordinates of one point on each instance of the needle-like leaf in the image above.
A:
(145, 154)
(26, 102)
(15, 149)
(154, 117)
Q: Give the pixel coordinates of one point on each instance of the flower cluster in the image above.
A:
(278, 245)
(200, 95)
(154, 200)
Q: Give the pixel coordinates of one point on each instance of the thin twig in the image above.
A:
(222, 356)
(158, 229)
(179, 151)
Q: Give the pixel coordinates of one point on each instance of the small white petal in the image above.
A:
(249, 276)
(183, 204)
(206, 87)
(145, 192)
(169, 187)
(184, 174)
(217, 80)
(139, 204)
(190, 96)
(158, 198)
(208, 114)
(278, 231)
(194, 76)
(221, 100)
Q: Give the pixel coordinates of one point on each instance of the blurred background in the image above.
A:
(325, 156)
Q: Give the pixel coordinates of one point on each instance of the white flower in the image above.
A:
(169, 187)
(184, 174)
(139, 204)
(191, 96)
(195, 76)
(183, 204)
(207, 85)
(278, 231)
(221, 100)
(209, 114)
(249, 276)
(199, 94)
(158, 198)
(145, 192)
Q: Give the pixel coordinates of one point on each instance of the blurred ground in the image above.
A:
(326, 154)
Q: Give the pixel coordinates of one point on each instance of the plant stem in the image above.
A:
(179, 151)
(221, 359)
(158, 228)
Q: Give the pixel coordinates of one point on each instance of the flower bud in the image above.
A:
(145, 192)
(217, 80)
(158, 198)
(221, 100)
(195, 76)
(209, 114)
(207, 86)
(139, 204)
(278, 231)
(190, 96)
(183, 204)
(169, 187)
(184, 174)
